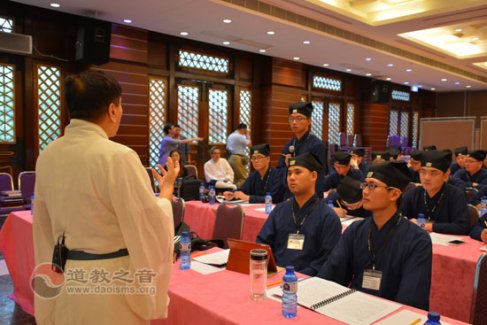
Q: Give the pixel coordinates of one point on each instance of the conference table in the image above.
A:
(451, 291)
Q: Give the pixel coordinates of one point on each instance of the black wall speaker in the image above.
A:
(93, 41)
(381, 92)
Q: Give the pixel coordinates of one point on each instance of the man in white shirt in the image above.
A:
(236, 144)
(219, 169)
(94, 194)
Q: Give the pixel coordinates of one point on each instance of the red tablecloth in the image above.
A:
(451, 292)
(16, 244)
(223, 298)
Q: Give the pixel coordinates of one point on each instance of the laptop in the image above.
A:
(239, 257)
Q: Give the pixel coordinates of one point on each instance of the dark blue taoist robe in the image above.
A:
(405, 260)
(257, 187)
(450, 215)
(322, 230)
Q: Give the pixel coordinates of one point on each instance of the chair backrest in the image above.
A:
(473, 214)
(479, 301)
(151, 177)
(191, 171)
(6, 182)
(27, 182)
(228, 222)
(178, 207)
(408, 187)
(471, 192)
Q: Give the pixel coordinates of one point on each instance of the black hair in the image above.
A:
(241, 126)
(90, 93)
(167, 127)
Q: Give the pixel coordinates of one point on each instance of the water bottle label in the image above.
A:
(185, 246)
(290, 287)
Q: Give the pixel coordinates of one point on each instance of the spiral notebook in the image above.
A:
(341, 303)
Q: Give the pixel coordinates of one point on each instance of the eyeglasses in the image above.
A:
(257, 158)
(296, 119)
(373, 186)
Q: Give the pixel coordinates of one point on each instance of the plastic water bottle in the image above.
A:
(483, 205)
(268, 203)
(433, 318)
(185, 251)
(289, 293)
(421, 221)
(202, 192)
(211, 195)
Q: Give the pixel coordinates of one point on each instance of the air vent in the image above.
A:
(15, 43)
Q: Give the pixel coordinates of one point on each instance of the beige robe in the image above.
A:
(98, 193)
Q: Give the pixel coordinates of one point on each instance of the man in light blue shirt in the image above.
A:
(236, 144)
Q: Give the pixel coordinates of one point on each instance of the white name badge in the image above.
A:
(372, 279)
(295, 241)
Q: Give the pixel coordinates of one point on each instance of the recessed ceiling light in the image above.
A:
(262, 50)
(388, 79)
(390, 65)
(271, 32)
(348, 70)
(306, 42)
(409, 70)
(184, 33)
(444, 80)
(433, 89)
(468, 86)
(326, 64)
(406, 82)
(368, 59)
(458, 30)
(227, 21)
(127, 21)
(368, 74)
(55, 5)
(226, 43)
(457, 82)
(296, 58)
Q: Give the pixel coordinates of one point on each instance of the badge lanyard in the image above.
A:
(429, 213)
(373, 255)
(298, 226)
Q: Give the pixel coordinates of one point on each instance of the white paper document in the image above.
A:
(219, 258)
(263, 209)
(341, 303)
(444, 240)
(406, 317)
(484, 248)
(348, 221)
(205, 268)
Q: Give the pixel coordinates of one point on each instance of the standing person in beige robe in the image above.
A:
(96, 192)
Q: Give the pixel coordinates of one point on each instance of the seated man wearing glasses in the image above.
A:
(348, 199)
(218, 169)
(386, 255)
(342, 168)
(302, 142)
(302, 231)
(473, 175)
(263, 180)
(443, 205)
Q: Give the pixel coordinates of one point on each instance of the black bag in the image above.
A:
(197, 243)
(190, 189)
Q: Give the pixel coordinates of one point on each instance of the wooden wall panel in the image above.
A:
(128, 44)
(374, 124)
(288, 73)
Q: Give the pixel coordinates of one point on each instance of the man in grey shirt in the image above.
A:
(169, 143)
(236, 144)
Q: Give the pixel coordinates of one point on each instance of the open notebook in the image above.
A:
(338, 302)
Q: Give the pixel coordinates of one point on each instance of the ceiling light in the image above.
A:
(444, 80)
(458, 30)
(227, 21)
(390, 65)
(326, 64)
(262, 50)
(457, 83)
(296, 58)
(306, 42)
(468, 86)
(406, 82)
(127, 21)
(226, 43)
(368, 74)
(184, 33)
(388, 79)
(368, 59)
(55, 5)
(420, 86)
(409, 70)
(433, 89)
(271, 32)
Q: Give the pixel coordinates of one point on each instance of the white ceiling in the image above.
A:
(203, 20)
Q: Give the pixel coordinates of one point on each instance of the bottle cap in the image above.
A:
(258, 254)
(185, 233)
(290, 269)
(434, 315)
(420, 215)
